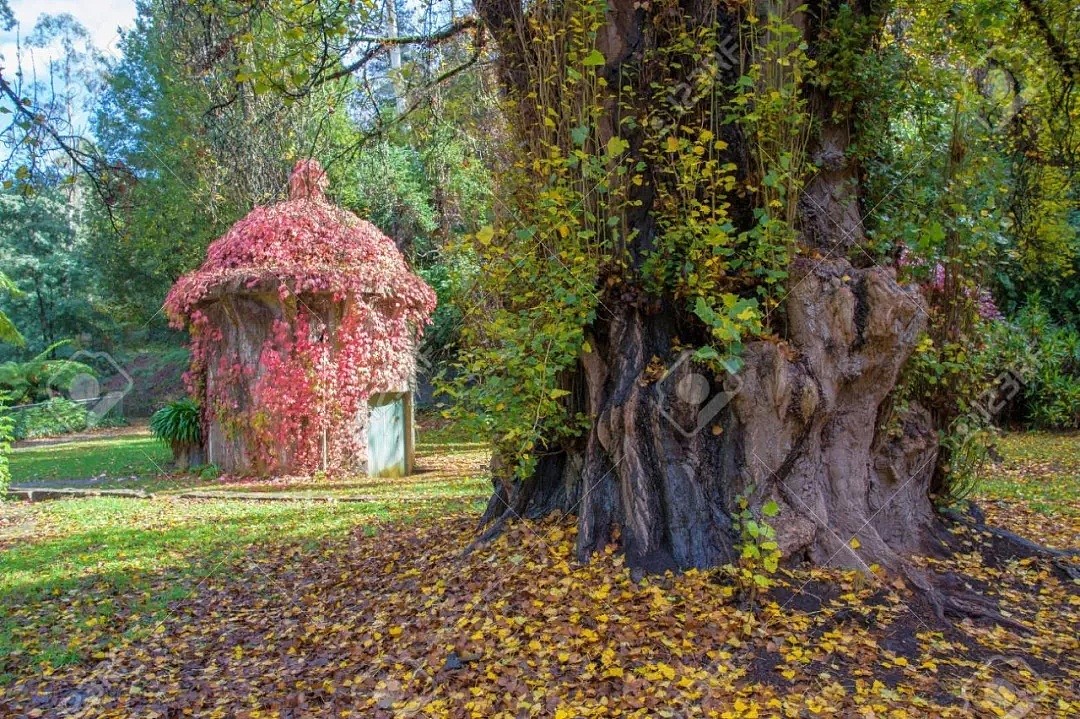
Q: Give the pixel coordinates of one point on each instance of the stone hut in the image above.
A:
(303, 321)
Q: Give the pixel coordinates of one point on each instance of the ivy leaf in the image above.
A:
(594, 59)
(617, 146)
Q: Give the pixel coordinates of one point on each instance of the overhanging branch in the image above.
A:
(1069, 63)
(382, 44)
(90, 165)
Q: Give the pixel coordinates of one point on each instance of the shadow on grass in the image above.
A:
(104, 568)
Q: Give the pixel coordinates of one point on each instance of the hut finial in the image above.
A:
(307, 181)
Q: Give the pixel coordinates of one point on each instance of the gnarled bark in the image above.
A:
(798, 425)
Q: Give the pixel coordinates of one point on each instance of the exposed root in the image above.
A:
(494, 531)
(1021, 546)
(497, 507)
(968, 604)
(957, 602)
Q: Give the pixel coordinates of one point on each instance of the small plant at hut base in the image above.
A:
(178, 425)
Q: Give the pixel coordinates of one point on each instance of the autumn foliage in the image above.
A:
(346, 314)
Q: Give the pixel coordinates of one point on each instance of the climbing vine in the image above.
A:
(609, 141)
(346, 315)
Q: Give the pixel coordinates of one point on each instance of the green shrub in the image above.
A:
(52, 418)
(1046, 357)
(7, 427)
(209, 471)
(36, 379)
(178, 425)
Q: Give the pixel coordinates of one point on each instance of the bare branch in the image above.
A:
(382, 44)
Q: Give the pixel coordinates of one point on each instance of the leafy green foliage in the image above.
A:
(44, 249)
(51, 418)
(1048, 357)
(178, 423)
(8, 332)
(11, 335)
(7, 433)
(38, 378)
(759, 554)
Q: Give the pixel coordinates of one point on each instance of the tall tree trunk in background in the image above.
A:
(664, 460)
(43, 314)
(395, 57)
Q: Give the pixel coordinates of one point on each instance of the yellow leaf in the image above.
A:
(396, 631)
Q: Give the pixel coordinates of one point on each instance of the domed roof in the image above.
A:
(304, 245)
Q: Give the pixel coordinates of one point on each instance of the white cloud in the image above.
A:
(101, 18)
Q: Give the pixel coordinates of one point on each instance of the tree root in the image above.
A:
(1021, 546)
(969, 604)
(960, 603)
(494, 529)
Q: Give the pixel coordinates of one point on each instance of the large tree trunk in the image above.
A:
(669, 451)
(672, 446)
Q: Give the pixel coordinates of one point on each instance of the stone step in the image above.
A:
(44, 494)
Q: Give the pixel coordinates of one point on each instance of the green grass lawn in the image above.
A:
(1041, 470)
(448, 465)
(121, 461)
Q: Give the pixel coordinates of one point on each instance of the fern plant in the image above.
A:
(178, 425)
(37, 379)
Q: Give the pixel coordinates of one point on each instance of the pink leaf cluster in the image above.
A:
(935, 284)
(313, 374)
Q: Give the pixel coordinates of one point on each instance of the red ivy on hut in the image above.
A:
(346, 314)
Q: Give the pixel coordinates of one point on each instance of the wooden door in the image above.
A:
(386, 436)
